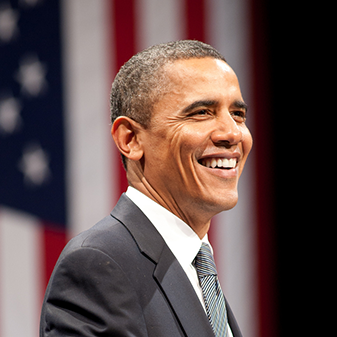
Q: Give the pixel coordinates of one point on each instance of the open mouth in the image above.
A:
(219, 163)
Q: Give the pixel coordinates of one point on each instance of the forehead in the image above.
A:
(207, 68)
(195, 79)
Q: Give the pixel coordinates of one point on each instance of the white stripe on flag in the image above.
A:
(158, 22)
(236, 257)
(87, 69)
(20, 282)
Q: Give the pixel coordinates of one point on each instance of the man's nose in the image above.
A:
(227, 133)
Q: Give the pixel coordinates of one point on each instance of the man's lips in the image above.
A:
(223, 165)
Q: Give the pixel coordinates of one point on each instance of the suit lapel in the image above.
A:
(168, 273)
(232, 321)
(141, 229)
(181, 295)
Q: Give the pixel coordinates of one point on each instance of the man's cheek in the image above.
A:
(247, 141)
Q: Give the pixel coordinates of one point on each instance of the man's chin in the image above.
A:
(229, 201)
(221, 202)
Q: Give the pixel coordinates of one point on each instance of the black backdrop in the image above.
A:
(299, 72)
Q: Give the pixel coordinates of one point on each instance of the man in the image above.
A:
(179, 123)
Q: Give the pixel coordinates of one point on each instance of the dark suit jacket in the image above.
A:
(119, 278)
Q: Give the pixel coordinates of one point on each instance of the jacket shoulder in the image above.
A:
(89, 289)
(109, 236)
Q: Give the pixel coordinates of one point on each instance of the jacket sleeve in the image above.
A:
(90, 295)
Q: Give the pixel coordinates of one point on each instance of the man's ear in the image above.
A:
(125, 133)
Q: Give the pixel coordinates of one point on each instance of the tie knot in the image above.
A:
(204, 261)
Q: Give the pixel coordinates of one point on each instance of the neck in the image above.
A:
(198, 221)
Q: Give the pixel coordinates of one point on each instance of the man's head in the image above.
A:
(179, 119)
(142, 80)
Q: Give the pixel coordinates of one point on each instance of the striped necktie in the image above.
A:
(212, 293)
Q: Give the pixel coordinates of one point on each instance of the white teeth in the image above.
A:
(229, 163)
(219, 162)
(213, 162)
(232, 162)
(225, 162)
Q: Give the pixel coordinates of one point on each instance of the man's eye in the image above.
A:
(239, 115)
(202, 112)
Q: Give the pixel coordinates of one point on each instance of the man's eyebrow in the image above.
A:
(240, 105)
(208, 103)
(198, 104)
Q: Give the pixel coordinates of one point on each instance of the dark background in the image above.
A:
(298, 68)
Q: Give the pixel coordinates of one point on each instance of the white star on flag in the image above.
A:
(34, 165)
(30, 3)
(31, 75)
(10, 119)
(8, 23)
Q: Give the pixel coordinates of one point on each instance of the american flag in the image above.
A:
(60, 171)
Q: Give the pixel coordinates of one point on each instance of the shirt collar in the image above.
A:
(180, 237)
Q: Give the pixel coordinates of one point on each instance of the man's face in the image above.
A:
(197, 142)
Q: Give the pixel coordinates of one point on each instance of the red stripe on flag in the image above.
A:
(124, 28)
(264, 180)
(123, 13)
(54, 240)
(195, 19)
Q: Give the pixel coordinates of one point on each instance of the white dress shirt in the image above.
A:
(180, 238)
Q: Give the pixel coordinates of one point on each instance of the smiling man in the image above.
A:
(147, 269)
